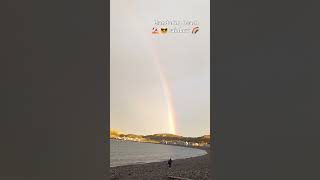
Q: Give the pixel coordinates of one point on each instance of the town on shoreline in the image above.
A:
(164, 138)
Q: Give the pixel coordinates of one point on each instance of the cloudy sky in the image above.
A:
(142, 64)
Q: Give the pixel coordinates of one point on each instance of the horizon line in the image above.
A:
(157, 133)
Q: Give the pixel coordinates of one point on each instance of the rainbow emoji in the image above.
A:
(195, 30)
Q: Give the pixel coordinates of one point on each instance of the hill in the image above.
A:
(160, 137)
(172, 137)
(115, 133)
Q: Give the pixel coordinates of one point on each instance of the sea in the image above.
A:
(128, 152)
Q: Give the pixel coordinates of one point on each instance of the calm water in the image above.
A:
(126, 152)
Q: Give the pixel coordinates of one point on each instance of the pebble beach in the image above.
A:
(195, 168)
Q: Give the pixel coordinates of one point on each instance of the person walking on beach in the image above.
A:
(170, 162)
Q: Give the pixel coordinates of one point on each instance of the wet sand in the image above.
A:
(196, 168)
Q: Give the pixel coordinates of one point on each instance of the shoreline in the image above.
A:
(196, 147)
(192, 168)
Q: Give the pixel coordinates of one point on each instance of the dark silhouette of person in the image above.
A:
(170, 162)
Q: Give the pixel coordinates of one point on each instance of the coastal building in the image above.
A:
(163, 142)
(182, 143)
(195, 144)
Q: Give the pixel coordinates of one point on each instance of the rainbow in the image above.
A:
(164, 83)
(169, 99)
(166, 90)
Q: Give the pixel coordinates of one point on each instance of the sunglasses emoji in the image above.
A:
(164, 30)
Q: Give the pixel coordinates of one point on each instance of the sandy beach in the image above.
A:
(196, 168)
